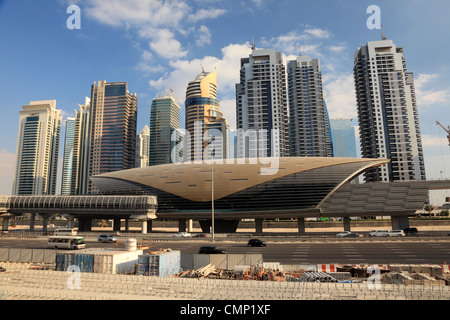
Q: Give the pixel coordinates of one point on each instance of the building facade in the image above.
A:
(387, 112)
(343, 138)
(205, 124)
(37, 149)
(111, 137)
(164, 120)
(309, 129)
(262, 117)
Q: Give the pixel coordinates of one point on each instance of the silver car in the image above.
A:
(106, 238)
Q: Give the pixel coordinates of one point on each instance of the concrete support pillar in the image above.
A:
(32, 221)
(5, 224)
(127, 225)
(70, 222)
(399, 223)
(45, 222)
(116, 225)
(182, 225)
(84, 225)
(144, 226)
(149, 225)
(301, 225)
(346, 224)
(190, 225)
(259, 225)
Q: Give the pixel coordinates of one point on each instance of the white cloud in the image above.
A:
(427, 97)
(318, 33)
(340, 97)
(434, 141)
(185, 71)
(135, 12)
(166, 46)
(227, 68)
(203, 36)
(203, 14)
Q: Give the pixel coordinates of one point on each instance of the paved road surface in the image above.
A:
(386, 252)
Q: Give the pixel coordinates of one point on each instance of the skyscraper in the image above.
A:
(37, 149)
(203, 116)
(75, 150)
(111, 138)
(387, 112)
(142, 147)
(69, 142)
(261, 105)
(164, 120)
(309, 129)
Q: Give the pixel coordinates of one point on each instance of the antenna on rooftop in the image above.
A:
(383, 36)
(299, 50)
(253, 42)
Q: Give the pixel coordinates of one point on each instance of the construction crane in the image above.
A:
(446, 130)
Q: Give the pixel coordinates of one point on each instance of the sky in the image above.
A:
(157, 45)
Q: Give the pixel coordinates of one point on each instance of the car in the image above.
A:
(348, 234)
(182, 235)
(106, 238)
(211, 250)
(396, 233)
(256, 243)
(379, 233)
(410, 231)
(200, 235)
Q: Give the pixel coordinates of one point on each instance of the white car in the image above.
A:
(379, 233)
(396, 233)
(182, 235)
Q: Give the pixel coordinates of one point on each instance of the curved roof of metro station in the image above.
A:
(192, 181)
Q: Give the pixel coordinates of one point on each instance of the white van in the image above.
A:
(379, 233)
(396, 233)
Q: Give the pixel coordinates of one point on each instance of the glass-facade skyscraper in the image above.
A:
(69, 142)
(344, 138)
(37, 149)
(111, 133)
(164, 120)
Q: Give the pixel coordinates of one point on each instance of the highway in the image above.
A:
(348, 252)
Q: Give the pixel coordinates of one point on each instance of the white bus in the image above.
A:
(65, 232)
(66, 242)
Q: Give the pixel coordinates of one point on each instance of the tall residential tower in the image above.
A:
(309, 129)
(262, 105)
(387, 112)
(37, 149)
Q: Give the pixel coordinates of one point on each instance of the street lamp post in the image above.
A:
(212, 197)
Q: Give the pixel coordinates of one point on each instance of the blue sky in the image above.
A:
(156, 45)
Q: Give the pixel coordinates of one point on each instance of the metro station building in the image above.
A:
(297, 187)
(230, 190)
